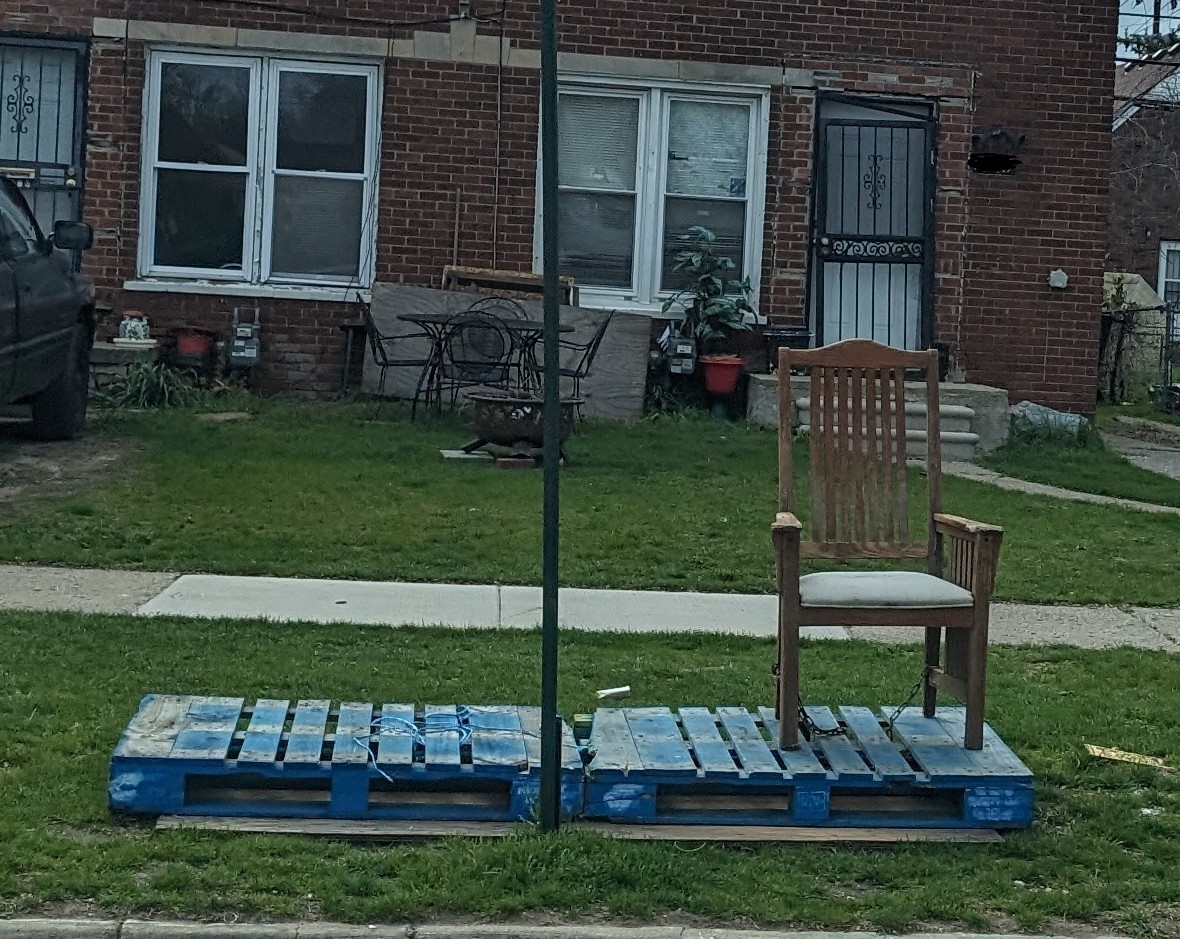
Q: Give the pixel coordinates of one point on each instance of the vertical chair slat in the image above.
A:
(888, 455)
(828, 435)
(856, 447)
(815, 442)
(842, 437)
(872, 444)
(903, 489)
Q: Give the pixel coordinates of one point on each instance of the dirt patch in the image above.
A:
(31, 468)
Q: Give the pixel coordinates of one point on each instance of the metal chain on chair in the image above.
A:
(918, 685)
(810, 729)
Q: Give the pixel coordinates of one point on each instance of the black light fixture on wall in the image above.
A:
(995, 151)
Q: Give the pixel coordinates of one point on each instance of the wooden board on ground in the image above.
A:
(360, 830)
(614, 390)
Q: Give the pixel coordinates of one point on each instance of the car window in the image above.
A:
(18, 231)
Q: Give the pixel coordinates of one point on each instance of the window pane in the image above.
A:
(597, 238)
(1173, 264)
(199, 219)
(322, 121)
(317, 226)
(707, 149)
(599, 140)
(727, 222)
(204, 113)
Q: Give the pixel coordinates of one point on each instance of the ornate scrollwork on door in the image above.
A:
(20, 103)
(875, 180)
(850, 249)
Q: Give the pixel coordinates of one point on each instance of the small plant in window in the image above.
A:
(714, 302)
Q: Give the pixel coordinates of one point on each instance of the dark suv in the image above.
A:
(46, 318)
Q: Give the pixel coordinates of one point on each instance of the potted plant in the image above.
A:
(713, 303)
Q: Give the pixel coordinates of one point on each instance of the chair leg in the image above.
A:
(976, 685)
(788, 686)
(933, 656)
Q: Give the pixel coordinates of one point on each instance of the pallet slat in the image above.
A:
(841, 755)
(305, 743)
(261, 743)
(497, 739)
(354, 725)
(152, 732)
(658, 740)
(712, 752)
(442, 738)
(395, 736)
(881, 752)
(751, 749)
(208, 729)
(801, 763)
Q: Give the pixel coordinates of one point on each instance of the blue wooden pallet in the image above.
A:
(185, 755)
(696, 766)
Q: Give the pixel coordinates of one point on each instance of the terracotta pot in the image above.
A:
(193, 342)
(722, 373)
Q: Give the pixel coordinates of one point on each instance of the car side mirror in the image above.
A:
(72, 236)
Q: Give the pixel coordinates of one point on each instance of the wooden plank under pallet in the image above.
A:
(385, 831)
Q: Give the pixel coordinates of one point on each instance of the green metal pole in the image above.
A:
(550, 809)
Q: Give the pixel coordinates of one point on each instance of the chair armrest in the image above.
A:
(786, 522)
(974, 554)
(958, 527)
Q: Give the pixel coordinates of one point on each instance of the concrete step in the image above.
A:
(959, 442)
(952, 417)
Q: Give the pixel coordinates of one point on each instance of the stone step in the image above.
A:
(952, 417)
(957, 446)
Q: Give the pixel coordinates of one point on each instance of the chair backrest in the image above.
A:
(373, 334)
(591, 349)
(857, 428)
(477, 348)
(504, 307)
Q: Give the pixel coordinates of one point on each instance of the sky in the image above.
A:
(1136, 18)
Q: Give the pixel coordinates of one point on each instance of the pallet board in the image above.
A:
(387, 831)
(186, 755)
(702, 767)
(642, 769)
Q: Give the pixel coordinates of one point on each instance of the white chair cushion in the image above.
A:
(872, 589)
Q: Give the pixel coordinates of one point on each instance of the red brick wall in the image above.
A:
(1039, 68)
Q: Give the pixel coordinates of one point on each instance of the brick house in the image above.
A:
(289, 154)
(1145, 173)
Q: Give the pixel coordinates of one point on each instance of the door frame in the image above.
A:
(814, 295)
(81, 101)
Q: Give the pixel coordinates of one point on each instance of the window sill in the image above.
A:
(267, 291)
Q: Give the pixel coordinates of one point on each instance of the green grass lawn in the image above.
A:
(1093, 856)
(317, 490)
(1092, 467)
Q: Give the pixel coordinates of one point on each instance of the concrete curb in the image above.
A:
(147, 929)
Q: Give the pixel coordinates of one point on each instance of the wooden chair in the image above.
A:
(860, 509)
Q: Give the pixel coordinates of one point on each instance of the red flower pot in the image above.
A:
(722, 373)
(193, 342)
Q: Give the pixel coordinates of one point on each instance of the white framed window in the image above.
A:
(1168, 284)
(638, 167)
(259, 170)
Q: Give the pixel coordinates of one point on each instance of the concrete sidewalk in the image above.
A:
(491, 606)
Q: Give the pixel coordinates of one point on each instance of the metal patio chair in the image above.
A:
(387, 355)
(476, 352)
(859, 509)
(580, 363)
